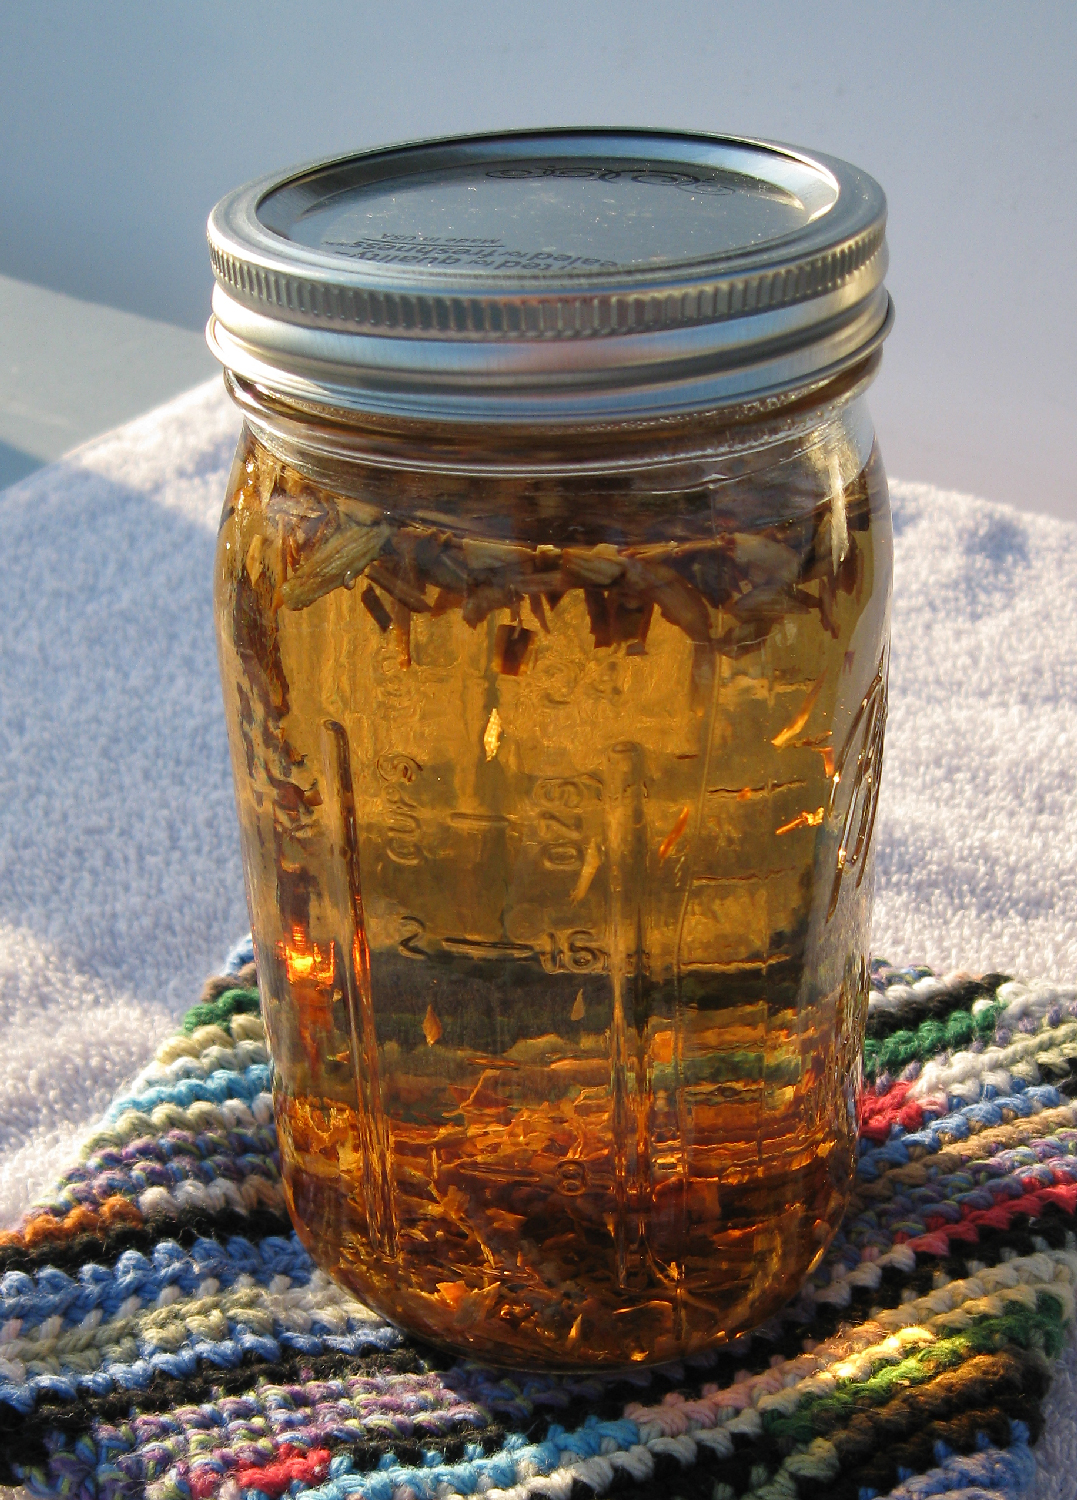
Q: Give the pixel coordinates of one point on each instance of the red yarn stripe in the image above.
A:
(998, 1217)
(293, 1463)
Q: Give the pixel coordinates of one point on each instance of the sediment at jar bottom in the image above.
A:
(534, 1217)
(530, 1278)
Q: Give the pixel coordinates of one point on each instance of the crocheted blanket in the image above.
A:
(163, 1333)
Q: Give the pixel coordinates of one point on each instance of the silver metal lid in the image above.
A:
(551, 276)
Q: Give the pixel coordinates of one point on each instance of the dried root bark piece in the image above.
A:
(447, 571)
(388, 579)
(444, 600)
(359, 512)
(600, 566)
(680, 604)
(304, 522)
(630, 619)
(763, 559)
(710, 568)
(618, 617)
(768, 604)
(511, 645)
(483, 600)
(538, 609)
(492, 557)
(599, 616)
(341, 560)
(401, 615)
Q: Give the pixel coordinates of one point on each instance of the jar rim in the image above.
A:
(739, 270)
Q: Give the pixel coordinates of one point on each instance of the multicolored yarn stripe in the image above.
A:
(163, 1333)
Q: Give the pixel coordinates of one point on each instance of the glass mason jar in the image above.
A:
(552, 596)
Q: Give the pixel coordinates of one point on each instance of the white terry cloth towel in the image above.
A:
(120, 878)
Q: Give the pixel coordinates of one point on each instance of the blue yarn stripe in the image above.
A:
(51, 1292)
(500, 1470)
(220, 1086)
(221, 1354)
(241, 954)
(894, 1152)
(990, 1472)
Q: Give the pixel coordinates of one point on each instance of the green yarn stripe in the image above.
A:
(1041, 1329)
(959, 1030)
(220, 1011)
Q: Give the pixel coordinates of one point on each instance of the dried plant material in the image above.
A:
(444, 601)
(387, 578)
(401, 617)
(447, 571)
(826, 604)
(491, 739)
(431, 1026)
(483, 601)
(266, 474)
(682, 605)
(787, 735)
(769, 605)
(511, 644)
(376, 609)
(527, 585)
(628, 617)
(492, 557)
(360, 512)
(601, 565)
(344, 557)
(765, 560)
(599, 616)
(253, 562)
(592, 861)
(675, 834)
(402, 631)
(802, 820)
(710, 569)
(303, 512)
(579, 1010)
(821, 745)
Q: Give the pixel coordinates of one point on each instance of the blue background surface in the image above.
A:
(122, 123)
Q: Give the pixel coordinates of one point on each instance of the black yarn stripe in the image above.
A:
(889, 1435)
(884, 1022)
(671, 1481)
(1061, 1072)
(367, 1454)
(880, 1470)
(1025, 1236)
(669, 1478)
(22, 1436)
(106, 1249)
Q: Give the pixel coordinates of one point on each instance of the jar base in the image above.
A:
(582, 1299)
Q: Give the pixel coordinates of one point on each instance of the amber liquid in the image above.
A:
(560, 893)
